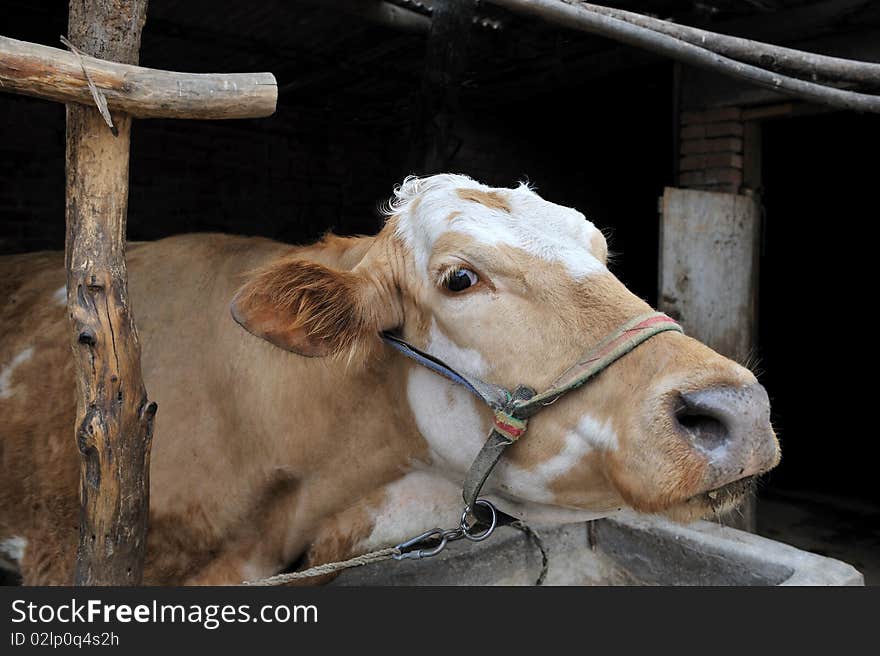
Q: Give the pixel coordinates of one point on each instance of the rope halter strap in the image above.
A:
(509, 426)
(610, 349)
(512, 410)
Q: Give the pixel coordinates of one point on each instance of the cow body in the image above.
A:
(228, 499)
(262, 457)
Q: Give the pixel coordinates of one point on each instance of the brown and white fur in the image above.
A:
(308, 439)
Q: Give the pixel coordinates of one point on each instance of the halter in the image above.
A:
(512, 411)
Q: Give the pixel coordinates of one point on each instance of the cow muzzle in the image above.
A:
(730, 427)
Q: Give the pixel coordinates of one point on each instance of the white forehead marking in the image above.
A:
(546, 230)
(8, 370)
(60, 295)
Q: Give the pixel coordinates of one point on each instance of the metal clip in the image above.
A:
(445, 536)
(418, 554)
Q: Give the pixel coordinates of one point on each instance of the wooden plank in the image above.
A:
(709, 267)
(709, 249)
(54, 74)
(114, 422)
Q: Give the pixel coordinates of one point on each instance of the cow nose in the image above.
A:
(731, 426)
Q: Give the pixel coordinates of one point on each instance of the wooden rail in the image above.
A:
(35, 70)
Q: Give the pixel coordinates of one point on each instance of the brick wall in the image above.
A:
(711, 150)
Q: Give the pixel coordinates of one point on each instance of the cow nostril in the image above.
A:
(702, 428)
(728, 427)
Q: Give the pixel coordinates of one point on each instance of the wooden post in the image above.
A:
(709, 250)
(445, 62)
(114, 422)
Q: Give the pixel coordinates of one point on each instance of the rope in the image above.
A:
(539, 542)
(387, 554)
(328, 568)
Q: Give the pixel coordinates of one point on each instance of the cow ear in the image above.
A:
(310, 309)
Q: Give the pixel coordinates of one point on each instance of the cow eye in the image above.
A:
(461, 279)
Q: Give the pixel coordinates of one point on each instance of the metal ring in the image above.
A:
(466, 529)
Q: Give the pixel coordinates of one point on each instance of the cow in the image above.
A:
(289, 432)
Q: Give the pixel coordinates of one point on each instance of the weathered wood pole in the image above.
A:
(695, 51)
(35, 70)
(114, 421)
(446, 57)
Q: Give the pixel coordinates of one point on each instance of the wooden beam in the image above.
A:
(576, 17)
(702, 89)
(445, 62)
(114, 422)
(796, 62)
(54, 74)
(785, 26)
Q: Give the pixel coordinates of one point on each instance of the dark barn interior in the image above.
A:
(819, 185)
(590, 123)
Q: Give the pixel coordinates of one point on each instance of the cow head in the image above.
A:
(512, 289)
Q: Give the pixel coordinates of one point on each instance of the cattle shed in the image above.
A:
(731, 207)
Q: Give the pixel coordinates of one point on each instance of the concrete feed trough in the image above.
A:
(625, 550)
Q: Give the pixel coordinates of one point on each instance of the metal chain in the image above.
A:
(442, 537)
